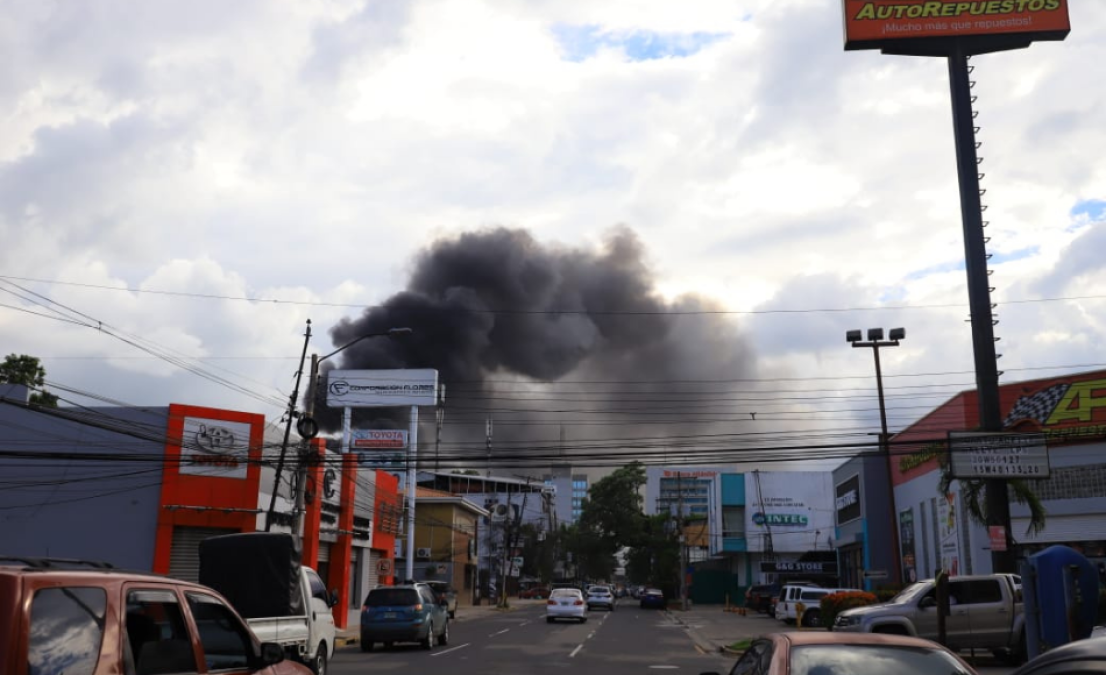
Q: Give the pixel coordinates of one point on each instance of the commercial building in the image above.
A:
(570, 491)
(863, 535)
(758, 526)
(936, 530)
(447, 530)
(511, 504)
(141, 488)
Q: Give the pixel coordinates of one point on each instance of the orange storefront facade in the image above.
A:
(217, 479)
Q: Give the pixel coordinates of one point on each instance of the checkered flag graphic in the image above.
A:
(1037, 406)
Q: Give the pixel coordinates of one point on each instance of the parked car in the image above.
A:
(445, 592)
(410, 613)
(759, 597)
(600, 596)
(281, 600)
(55, 616)
(789, 595)
(566, 603)
(653, 598)
(534, 593)
(986, 612)
(810, 600)
(1087, 657)
(821, 653)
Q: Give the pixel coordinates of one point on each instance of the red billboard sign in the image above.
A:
(872, 24)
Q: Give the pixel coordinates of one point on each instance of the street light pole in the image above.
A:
(875, 341)
(287, 432)
(309, 416)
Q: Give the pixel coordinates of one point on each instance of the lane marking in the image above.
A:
(575, 651)
(451, 649)
(500, 632)
(590, 635)
(664, 667)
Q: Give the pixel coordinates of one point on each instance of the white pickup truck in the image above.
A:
(282, 601)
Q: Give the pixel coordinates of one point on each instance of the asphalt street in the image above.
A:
(628, 641)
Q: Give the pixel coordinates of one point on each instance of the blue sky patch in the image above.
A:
(1020, 254)
(1091, 209)
(954, 266)
(581, 42)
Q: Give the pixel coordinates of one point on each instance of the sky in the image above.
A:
(197, 180)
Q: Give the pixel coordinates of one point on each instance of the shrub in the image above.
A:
(835, 603)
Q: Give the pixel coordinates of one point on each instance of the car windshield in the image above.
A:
(392, 597)
(910, 593)
(852, 659)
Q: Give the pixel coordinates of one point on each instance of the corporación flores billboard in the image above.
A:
(872, 24)
(381, 388)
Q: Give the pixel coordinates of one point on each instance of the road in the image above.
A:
(628, 641)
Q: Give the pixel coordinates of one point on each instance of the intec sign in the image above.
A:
(871, 24)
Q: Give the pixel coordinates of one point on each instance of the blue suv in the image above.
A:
(413, 613)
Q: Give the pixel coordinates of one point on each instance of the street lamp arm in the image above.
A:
(391, 332)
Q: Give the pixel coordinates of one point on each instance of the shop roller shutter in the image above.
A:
(184, 557)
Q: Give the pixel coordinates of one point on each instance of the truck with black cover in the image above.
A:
(282, 601)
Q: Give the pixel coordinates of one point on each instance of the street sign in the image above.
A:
(998, 455)
(875, 575)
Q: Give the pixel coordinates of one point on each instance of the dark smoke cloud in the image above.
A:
(497, 305)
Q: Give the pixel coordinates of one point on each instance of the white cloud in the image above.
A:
(306, 151)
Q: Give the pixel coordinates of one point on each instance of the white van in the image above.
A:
(810, 597)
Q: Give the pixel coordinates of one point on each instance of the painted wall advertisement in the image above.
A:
(947, 533)
(795, 509)
(906, 541)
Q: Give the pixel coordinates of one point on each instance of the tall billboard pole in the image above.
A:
(956, 30)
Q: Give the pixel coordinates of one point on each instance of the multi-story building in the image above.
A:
(511, 503)
(1066, 471)
(571, 489)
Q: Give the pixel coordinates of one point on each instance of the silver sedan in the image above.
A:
(566, 603)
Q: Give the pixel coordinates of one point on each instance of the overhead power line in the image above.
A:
(508, 311)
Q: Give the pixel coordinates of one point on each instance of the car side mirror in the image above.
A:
(927, 602)
(333, 599)
(271, 654)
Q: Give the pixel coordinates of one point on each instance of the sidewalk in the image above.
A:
(351, 635)
(713, 629)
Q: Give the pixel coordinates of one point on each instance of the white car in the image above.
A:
(601, 596)
(566, 603)
(810, 597)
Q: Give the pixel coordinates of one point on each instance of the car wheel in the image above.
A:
(453, 614)
(812, 618)
(430, 640)
(388, 645)
(366, 646)
(583, 619)
(443, 639)
(318, 664)
(549, 619)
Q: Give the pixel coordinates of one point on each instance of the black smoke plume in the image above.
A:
(495, 308)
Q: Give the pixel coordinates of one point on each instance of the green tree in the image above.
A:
(28, 371)
(655, 559)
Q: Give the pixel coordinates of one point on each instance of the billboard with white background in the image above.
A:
(381, 388)
(796, 508)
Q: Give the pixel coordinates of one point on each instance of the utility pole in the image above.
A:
(291, 414)
(488, 446)
(439, 416)
(680, 539)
